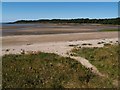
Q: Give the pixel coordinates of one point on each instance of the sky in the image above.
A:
(59, 0)
(13, 11)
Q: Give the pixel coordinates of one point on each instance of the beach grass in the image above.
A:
(104, 58)
(48, 70)
(42, 70)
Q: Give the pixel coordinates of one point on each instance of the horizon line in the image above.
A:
(57, 19)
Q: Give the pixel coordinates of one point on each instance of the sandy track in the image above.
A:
(87, 64)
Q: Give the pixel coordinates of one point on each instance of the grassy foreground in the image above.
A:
(104, 58)
(45, 70)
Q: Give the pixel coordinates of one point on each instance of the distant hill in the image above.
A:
(114, 21)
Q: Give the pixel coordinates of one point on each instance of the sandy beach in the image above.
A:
(53, 38)
(31, 39)
(59, 44)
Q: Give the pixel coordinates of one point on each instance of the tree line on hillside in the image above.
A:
(115, 21)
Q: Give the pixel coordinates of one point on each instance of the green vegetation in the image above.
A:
(45, 70)
(110, 30)
(115, 21)
(104, 58)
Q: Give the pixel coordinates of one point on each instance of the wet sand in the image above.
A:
(43, 29)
